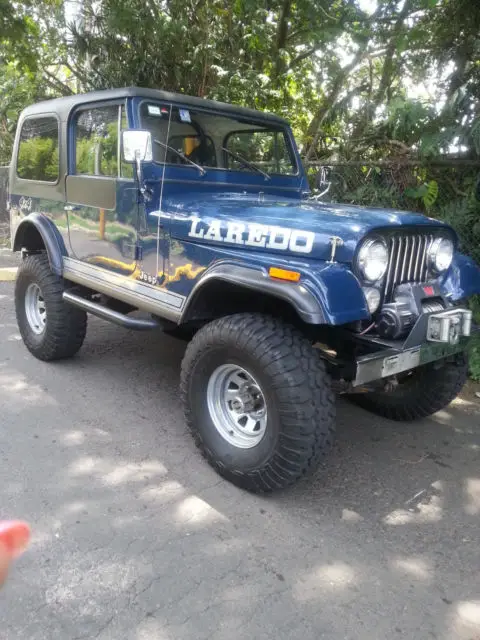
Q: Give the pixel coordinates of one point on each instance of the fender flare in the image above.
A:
(50, 235)
(301, 299)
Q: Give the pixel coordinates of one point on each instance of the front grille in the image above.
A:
(408, 260)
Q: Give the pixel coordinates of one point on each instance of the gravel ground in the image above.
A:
(136, 538)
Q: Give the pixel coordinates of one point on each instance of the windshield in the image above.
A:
(216, 141)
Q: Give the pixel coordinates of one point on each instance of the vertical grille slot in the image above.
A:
(408, 260)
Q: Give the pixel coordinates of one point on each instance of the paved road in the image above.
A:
(136, 538)
(8, 260)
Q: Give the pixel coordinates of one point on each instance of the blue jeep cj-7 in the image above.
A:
(196, 217)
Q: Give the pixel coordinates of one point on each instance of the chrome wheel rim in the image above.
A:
(35, 309)
(237, 406)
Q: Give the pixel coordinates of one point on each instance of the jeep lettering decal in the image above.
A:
(254, 235)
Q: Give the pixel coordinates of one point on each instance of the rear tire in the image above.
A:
(282, 389)
(50, 328)
(427, 390)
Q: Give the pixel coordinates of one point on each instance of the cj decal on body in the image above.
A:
(254, 235)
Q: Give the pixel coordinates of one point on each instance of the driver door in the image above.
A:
(101, 203)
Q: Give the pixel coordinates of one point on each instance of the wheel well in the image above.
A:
(219, 298)
(28, 237)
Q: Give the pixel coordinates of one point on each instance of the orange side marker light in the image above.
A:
(283, 274)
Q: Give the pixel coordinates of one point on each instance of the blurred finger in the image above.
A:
(5, 560)
(14, 536)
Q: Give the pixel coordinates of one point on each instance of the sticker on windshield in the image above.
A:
(153, 110)
(184, 115)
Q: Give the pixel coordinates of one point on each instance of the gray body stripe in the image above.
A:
(143, 296)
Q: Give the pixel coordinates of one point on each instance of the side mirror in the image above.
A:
(137, 146)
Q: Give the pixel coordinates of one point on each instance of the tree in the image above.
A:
(344, 77)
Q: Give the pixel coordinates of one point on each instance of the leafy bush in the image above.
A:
(475, 358)
(464, 216)
(475, 347)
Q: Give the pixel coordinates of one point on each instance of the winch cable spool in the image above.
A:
(429, 306)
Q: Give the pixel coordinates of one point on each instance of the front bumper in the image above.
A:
(444, 334)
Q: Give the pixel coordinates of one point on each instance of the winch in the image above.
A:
(396, 319)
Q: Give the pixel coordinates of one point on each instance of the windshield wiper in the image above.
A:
(246, 163)
(180, 155)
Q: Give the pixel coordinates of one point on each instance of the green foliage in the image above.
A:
(475, 345)
(17, 89)
(427, 192)
(340, 74)
(18, 31)
(475, 358)
(463, 215)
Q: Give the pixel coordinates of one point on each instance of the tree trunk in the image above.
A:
(389, 65)
(282, 34)
(314, 129)
(387, 74)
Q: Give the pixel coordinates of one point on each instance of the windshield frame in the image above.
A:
(263, 122)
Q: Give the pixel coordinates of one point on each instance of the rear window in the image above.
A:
(37, 157)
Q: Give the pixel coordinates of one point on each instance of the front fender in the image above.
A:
(462, 280)
(339, 293)
(49, 234)
(327, 295)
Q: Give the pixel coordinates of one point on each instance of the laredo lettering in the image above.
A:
(254, 235)
(194, 231)
(214, 232)
(235, 232)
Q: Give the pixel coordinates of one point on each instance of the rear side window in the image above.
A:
(96, 141)
(38, 150)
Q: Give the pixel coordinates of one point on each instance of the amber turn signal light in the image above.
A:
(283, 274)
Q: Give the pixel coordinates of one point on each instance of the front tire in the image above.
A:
(50, 328)
(424, 391)
(257, 400)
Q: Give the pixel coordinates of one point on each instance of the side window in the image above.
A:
(266, 149)
(96, 141)
(37, 157)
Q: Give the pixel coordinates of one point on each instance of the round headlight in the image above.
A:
(440, 255)
(373, 260)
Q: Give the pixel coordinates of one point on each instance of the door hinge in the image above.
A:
(138, 252)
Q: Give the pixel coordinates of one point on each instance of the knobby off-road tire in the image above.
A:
(50, 328)
(293, 387)
(425, 391)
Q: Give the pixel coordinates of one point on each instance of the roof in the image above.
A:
(63, 106)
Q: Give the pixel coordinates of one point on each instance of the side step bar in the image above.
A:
(100, 311)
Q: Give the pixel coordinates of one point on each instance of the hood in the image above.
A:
(209, 218)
